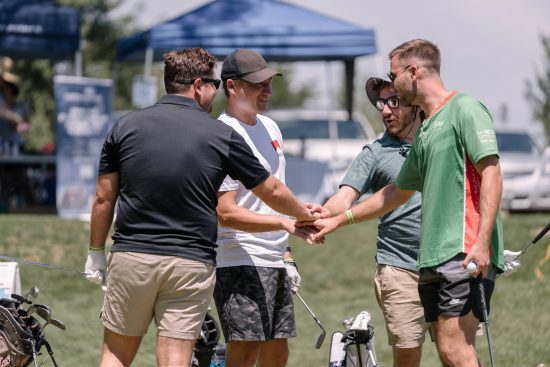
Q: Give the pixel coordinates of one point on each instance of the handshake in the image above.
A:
(313, 226)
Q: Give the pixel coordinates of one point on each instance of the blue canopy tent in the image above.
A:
(38, 29)
(277, 30)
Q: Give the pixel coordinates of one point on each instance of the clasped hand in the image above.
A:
(310, 228)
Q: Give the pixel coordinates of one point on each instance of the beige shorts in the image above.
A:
(397, 294)
(174, 291)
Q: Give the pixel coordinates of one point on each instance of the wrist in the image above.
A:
(349, 215)
(96, 248)
(289, 260)
(284, 223)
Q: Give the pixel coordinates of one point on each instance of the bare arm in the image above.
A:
(275, 194)
(103, 208)
(384, 200)
(234, 216)
(342, 200)
(11, 116)
(490, 192)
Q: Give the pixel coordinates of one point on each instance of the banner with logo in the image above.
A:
(83, 110)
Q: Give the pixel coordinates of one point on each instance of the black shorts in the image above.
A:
(254, 303)
(448, 290)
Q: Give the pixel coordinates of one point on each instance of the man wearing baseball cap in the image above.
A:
(396, 277)
(256, 274)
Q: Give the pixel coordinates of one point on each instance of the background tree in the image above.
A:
(538, 93)
(99, 34)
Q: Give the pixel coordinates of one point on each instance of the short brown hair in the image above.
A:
(183, 67)
(421, 49)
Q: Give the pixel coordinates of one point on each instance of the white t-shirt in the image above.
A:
(264, 249)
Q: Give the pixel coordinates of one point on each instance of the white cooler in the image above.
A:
(10, 281)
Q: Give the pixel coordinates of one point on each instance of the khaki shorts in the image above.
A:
(397, 294)
(174, 291)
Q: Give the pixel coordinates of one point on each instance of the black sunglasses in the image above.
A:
(392, 77)
(392, 102)
(216, 82)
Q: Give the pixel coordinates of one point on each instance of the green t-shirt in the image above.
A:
(441, 165)
(399, 230)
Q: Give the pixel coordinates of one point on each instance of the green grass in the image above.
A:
(336, 282)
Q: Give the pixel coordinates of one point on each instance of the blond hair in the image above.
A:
(421, 49)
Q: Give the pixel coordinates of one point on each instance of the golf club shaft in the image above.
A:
(486, 317)
(29, 262)
(535, 240)
(310, 311)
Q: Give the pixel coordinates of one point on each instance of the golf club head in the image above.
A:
(33, 292)
(347, 322)
(320, 339)
(38, 305)
(58, 324)
(44, 313)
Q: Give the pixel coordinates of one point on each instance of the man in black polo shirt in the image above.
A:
(165, 164)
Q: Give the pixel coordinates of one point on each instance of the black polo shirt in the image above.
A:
(172, 158)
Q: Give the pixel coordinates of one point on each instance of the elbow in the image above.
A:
(101, 201)
(223, 220)
(270, 191)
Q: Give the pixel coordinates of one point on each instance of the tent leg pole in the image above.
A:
(350, 71)
(148, 62)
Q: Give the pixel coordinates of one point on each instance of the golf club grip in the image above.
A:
(542, 233)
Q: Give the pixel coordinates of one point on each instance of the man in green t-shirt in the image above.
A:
(454, 163)
(398, 238)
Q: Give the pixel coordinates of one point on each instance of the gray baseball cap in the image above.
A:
(248, 65)
(374, 86)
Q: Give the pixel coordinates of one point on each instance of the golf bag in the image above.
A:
(207, 352)
(355, 346)
(21, 335)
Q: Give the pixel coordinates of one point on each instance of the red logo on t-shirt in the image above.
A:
(276, 145)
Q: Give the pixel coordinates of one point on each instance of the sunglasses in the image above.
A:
(216, 82)
(391, 102)
(392, 77)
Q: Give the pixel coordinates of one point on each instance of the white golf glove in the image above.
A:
(96, 263)
(511, 263)
(293, 275)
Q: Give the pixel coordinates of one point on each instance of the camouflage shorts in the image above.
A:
(254, 303)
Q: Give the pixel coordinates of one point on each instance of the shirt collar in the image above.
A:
(177, 99)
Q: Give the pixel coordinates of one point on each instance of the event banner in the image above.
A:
(83, 110)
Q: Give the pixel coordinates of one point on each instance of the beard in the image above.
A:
(397, 130)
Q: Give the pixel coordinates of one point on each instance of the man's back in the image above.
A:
(171, 157)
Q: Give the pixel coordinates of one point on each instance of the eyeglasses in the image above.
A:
(216, 82)
(392, 77)
(391, 102)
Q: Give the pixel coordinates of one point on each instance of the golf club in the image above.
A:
(32, 292)
(58, 324)
(49, 266)
(486, 318)
(44, 265)
(321, 337)
(45, 314)
(472, 268)
(535, 240)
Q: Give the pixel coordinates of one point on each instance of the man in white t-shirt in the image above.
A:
(255, 271)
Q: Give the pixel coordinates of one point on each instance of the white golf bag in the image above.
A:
(355, 346)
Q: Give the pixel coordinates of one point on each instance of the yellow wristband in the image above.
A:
(349, 214)
(97, 249)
